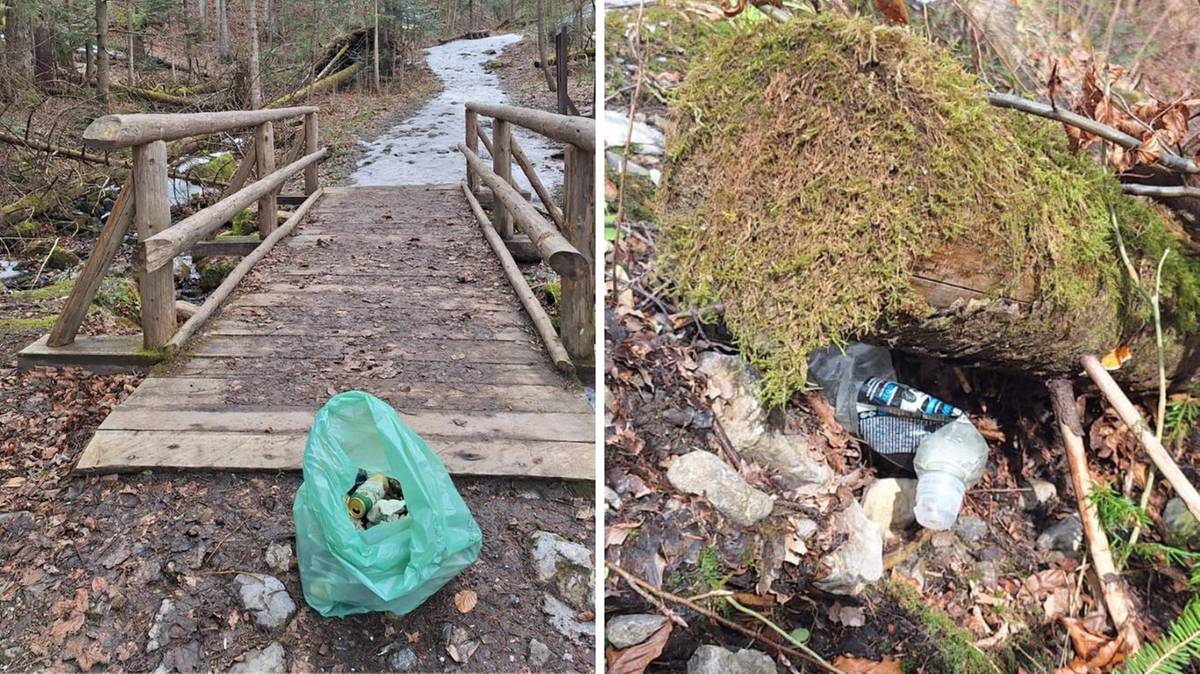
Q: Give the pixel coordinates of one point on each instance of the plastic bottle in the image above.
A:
(947, 463)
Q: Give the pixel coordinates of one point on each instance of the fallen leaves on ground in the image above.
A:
(1092, 651)
(465, 601)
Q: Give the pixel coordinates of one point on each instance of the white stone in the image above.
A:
(859, 560)
(889, 503)
(269, 660)
(623, 631)
(266, 598)
(705, 474)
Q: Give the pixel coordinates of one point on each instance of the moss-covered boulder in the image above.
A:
(52, 253)
(832, 179)
(213, 270)
(119, 296)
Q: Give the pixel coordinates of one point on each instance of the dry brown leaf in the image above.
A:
(635, 659)
(895, 10)
(465, 601)
(413, 637)
(849, 665)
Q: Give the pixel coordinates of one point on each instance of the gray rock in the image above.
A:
(889, 503)
(704, 474)
(279, 557)
(647, 139)
(539, 653)
(970, 529)
(563, 618)
(1066, 535)
(859, 560)
(266, 598)
(612, 500)
(1182, 529)
(269, 660)
(624, 631)
(1038, 493)
(158, 635)
(567, 565)
(744, 420)
(717, 660)
(184, 659)
(403, 660)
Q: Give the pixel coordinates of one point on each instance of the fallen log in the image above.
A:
(154, 95)
(829, 180)
(330, 82)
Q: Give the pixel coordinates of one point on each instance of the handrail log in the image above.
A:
(537, 314)
(578, 131)
(527, 168)
(113, 132)
(161, 248)
(206, 310)
(550, 243)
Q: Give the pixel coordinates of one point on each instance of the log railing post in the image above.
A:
(502, 166)
(264, 149)
(151, 215)
(473, 145)
(578, 313)
(312, 140)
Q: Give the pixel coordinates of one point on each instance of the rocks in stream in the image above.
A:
(744, 420)
(705, 474)
(710, 659)
(859, 560)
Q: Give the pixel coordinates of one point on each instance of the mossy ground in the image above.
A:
(816, 164)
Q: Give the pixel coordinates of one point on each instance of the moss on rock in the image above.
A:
(213, 270)
(816, 165)
(119, 295)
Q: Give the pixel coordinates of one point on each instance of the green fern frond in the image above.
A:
(1117, 513)
(1174, 651)
(1181, 418)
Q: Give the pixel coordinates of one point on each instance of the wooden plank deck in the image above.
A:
(390, 290)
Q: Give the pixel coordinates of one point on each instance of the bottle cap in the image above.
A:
(939, 498)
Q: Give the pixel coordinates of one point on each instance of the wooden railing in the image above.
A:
(144, 202)
(566, 241)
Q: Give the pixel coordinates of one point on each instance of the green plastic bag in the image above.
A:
(392, 566)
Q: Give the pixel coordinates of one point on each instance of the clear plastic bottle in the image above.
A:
(949, 461)
(840, 373)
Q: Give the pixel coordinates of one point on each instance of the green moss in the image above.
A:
(119, 296)
(27, 229)
(51, 253)
(220, 168)
(53, 291)
(213, 270)
(817, 164)
(953, 647)
(21, 326)
(244, 223)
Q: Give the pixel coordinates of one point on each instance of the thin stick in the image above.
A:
(1168, 158)
(667, 611)
(1062, 399)
(675, 599)
(817, 659)
(1133, 419)
(1164, 191)
(38, 275)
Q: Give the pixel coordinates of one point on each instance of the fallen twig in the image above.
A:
(42, 267)
(1164, 191)
(1168, 158)
(1062, 400)
(715, 617)
(1133, 419)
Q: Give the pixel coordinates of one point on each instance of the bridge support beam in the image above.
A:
(502, 166)
(264, 150)
(579, 291)
(151, 215)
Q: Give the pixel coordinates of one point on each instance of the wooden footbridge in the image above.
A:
(409, 293)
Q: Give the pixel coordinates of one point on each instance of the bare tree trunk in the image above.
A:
(223, 28)
(255, 74)
(102, 71)
(43, 53)
(541, 43)
(376, 47)
(129, 47)
(19, 44)
(202, 7)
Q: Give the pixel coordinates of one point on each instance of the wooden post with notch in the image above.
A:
(473, 145)
(151, 215)
(264, 149)
(312, 140)
(578, 292)
(502, 166)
